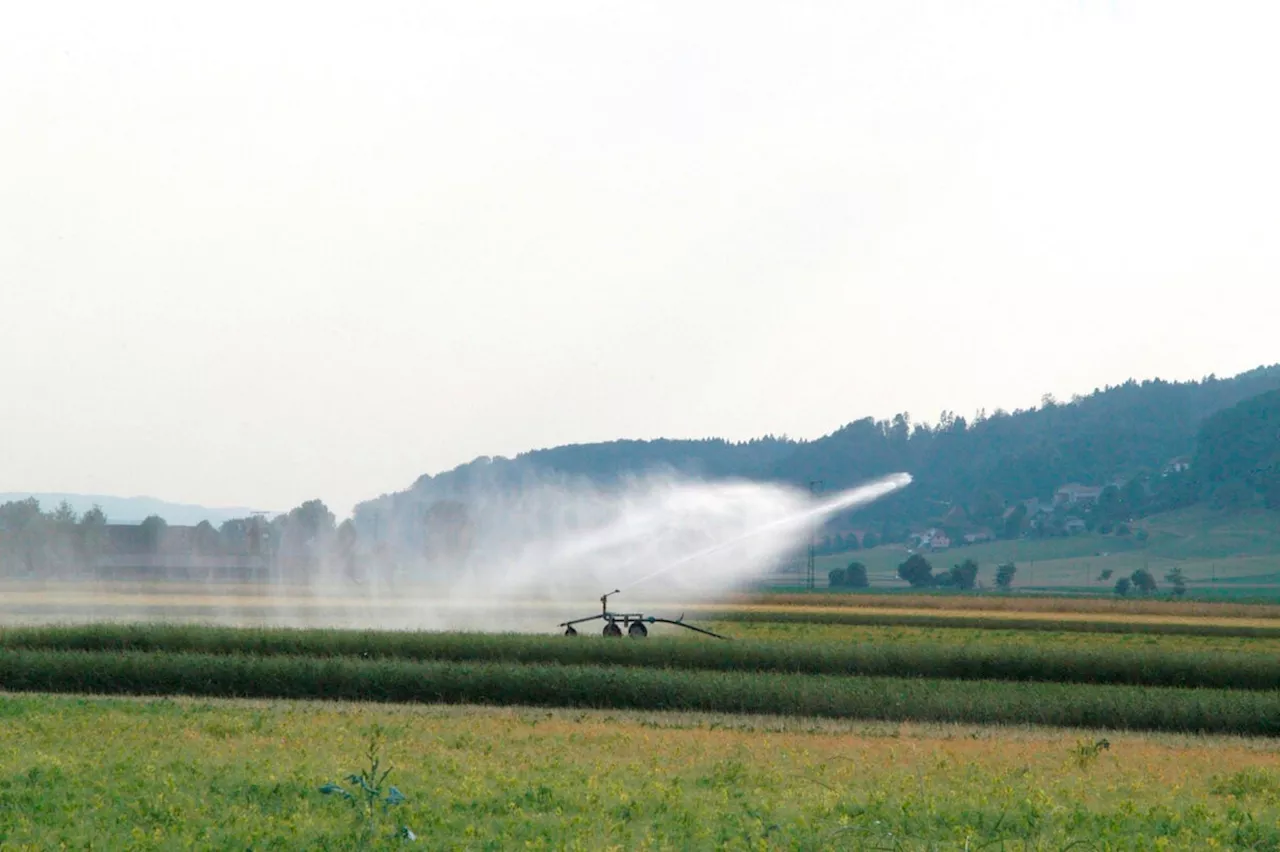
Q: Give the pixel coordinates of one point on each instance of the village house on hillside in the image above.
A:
(1176, 465)
(932, 539)
(1033, 507)
(1074, 494)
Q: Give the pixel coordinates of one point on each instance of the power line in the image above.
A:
(815, 488)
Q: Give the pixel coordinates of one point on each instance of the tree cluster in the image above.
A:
(918, 572)
(852, 577)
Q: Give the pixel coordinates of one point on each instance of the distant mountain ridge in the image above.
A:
(1127, 430)
(132, 510)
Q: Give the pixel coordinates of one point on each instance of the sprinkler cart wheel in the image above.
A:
(637, 630)
(569, 631)
(612, 629)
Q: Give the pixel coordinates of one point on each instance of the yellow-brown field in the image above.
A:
(900, 634)
(987, 604)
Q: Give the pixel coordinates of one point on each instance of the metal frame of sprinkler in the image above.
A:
(634, 622)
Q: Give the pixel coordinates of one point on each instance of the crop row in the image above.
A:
(1046, 621)
(969, 661)
(894, 699)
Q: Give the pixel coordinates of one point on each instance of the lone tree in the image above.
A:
(965, 575)
(916, 570)
(1004, 575)
(855, 576)
(1176, 579)
(1122, 586)
(835, 578)
(1143, 581)
(152, 528)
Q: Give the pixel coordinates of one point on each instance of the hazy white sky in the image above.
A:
(252, 253)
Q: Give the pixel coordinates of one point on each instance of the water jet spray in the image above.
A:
(635, 623)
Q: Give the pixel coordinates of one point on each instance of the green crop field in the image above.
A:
(168, 774)
(829, 721)
(1150, 664)
(929, 699)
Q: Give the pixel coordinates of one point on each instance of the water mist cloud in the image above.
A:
(658, 538)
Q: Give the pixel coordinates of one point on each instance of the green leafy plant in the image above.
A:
(372, 796)
(1086, 753)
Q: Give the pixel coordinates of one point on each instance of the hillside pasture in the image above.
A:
(1222, 556)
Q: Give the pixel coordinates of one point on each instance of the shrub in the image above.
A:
(1004, 575)
(965, 575)
(1143, 581)
(855, 576)
(916, 570)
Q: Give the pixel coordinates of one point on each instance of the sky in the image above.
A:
(257, 252)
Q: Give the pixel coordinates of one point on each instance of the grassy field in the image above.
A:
(1223, 556)
(164, 774)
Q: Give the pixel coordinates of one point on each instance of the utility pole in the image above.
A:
(815, 488)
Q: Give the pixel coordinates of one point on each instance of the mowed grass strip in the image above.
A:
(1058, 622)
(961, 661)
(896, 699)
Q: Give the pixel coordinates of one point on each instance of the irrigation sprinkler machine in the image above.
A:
(633, 622)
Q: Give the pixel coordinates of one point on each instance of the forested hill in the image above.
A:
(1123, 431)
(1237, 463)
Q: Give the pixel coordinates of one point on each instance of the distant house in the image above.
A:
(978, 536)
(1074, 526)
(1032, 506)
(932, 539)
(1177, 465)
(1074, 494)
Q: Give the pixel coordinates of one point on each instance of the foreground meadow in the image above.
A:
(151, 774)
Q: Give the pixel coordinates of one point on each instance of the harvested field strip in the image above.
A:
(969, 661)
(1062, 622)
(897, 699)
(849, 634)
(1001, 602)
